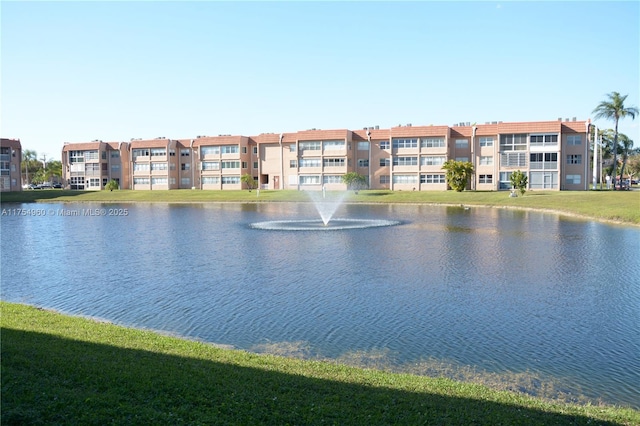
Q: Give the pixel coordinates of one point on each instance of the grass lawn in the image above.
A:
(58, 369)
(618, 206)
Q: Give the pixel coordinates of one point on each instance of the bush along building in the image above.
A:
(554, 155)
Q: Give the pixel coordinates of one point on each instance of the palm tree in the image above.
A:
(614, 109)
(27, 156)
(627, 150)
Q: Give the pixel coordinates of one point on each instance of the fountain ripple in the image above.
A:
(319, 225)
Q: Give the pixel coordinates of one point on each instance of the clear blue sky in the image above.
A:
(78, 71)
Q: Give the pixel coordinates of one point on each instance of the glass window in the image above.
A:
(485, 179)
(185, 166)
(184, 152)
(363, 146)
(229, 149)
(333, 162)
(310, 180)
(363, 162)
(333, 145)
(405, 179)
(231, 164)
(209, 150)
(385, 179)
(384, 145)
(210, 180)
(385, 162)
(234, 180)
(292, 164)
(310, 146)
(432, 143)
(405, 143)
(515, 142)
(210, 165)
(159, 166)
(405, 161)
(486, 141)
(574, 159)
(332, 179)
(574, 140)
(310, 162)
(486, 160)
(573, 179)
(158, 152)
(462, 144)
(433, 178)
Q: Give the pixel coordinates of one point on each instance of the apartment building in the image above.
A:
(90, 165)
(10, 158)
(553, 154)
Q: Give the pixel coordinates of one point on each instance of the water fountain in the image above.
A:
(326, 203)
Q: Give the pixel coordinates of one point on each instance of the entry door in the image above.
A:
(276, 182)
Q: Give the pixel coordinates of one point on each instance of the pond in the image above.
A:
(536, 302)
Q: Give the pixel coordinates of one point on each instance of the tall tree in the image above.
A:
(614, 109)
(29, 156)
(626, 148)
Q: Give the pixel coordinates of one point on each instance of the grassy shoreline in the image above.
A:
(622, 207)
(60, 369)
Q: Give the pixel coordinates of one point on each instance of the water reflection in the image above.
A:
(483, 292)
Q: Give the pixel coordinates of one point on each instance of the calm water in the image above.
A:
(502, 291)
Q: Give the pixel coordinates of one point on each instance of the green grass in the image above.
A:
(618, 206)
(58, 369)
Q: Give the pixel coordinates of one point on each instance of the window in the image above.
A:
(384, 144)
(76, 157)
(513, 142)
(433, 160)
(385, 162)
(172, 181)
(405, 179)
(140, 153)
(293, 164)
(115, 154)
(333, 162)
(94, 182)
(92, 169)
(363, 162)
(310, 162)
(543, 140)
(184, 152)
(140, 167)
(404, 143)
(543, 180)
(255, 164)
(185, 166)
(172, 166)
(485, 179)
(505, 180)
(463, 159)
(486, 160)
(513, 159)
(385, 179)
(573, 179)
(115, 167)
(333, 145)
(210, 180)
(210, 165)
(230, 165)
(432, 178)
(159, 166)
(244, 149)
(292, 147)
(462, 144)
(309, 180)
(185, 181)
(159, 181)
(244, 164)
(363, 146)
(209, 150)
(309, 146)
(405, 161)
(172, 153)
(574, 140)
(230, 180)
(229, 149)
(158, 152)
(255, 150)
(140, 181)
(486, 141)
(432, 143)
(543, 160)
(91, 155)
(332, 179)
(574, 159)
